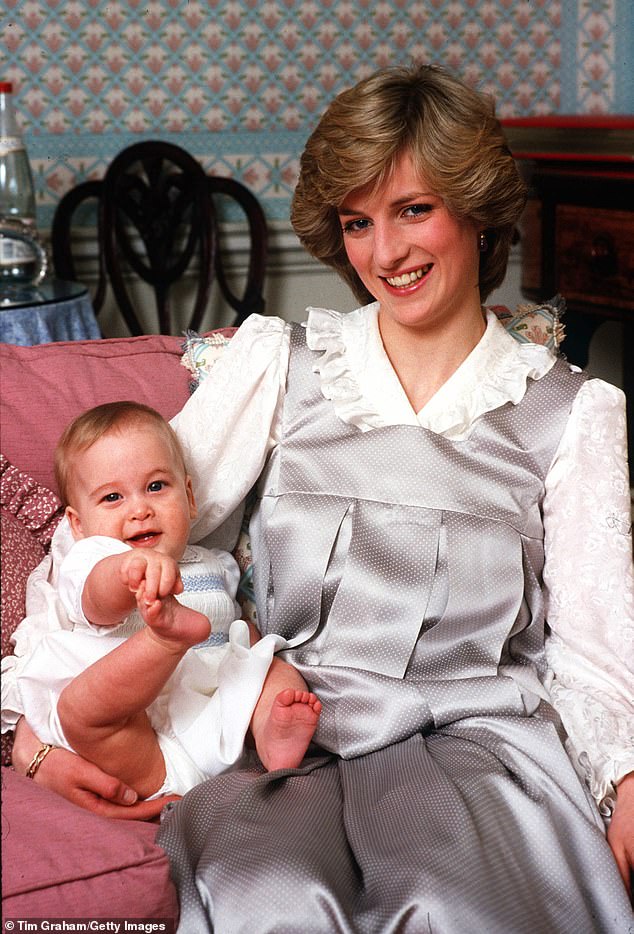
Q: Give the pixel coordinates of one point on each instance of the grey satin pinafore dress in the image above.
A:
(404, 570)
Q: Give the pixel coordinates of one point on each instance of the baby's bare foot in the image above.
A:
(174, 625)
(285, 735)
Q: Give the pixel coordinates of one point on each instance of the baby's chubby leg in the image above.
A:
(103, 710)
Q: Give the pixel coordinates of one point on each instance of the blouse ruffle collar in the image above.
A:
(356, 374)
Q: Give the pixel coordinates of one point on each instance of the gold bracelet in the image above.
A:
(38, 759)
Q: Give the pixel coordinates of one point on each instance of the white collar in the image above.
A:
(357, 376)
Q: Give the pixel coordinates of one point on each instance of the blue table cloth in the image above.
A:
(53, 311)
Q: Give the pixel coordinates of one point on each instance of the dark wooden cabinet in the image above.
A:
(577, 232)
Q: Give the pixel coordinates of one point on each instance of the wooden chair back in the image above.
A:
(156, 219)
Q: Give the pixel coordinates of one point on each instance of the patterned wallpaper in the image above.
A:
(240, 83)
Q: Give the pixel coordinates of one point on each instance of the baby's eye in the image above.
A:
(156, 485)
(355, 226)
(111, 497)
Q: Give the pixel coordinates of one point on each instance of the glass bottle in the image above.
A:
(18, 260)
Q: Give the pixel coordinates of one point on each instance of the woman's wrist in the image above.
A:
(38, 759)
(25, 746)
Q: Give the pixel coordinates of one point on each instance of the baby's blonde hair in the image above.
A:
(93, 424)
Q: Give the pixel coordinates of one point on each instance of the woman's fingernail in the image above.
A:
(129, 796)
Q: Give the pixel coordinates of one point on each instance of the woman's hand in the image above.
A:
(621, 829)
(81, 782)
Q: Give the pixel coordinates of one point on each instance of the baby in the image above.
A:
(141, 685)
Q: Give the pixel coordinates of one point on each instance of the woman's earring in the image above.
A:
(482, 242)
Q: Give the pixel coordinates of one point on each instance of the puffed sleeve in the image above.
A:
(589, 588)
(231, 421)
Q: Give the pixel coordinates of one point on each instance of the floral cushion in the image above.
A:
(201, 352)
(535, 324)
(29, 514)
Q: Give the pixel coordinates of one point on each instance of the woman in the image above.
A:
(416, 465)
(417, 468)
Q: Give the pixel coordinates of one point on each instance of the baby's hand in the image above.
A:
(156, 574)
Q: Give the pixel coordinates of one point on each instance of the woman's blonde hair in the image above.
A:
(457, 145)
(93, 424)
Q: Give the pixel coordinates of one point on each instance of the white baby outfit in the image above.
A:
(203, 712)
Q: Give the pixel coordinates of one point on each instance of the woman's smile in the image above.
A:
(404, 280)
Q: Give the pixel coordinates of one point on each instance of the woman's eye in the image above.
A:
(361, 223)
(156, 485)
(416, 210)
